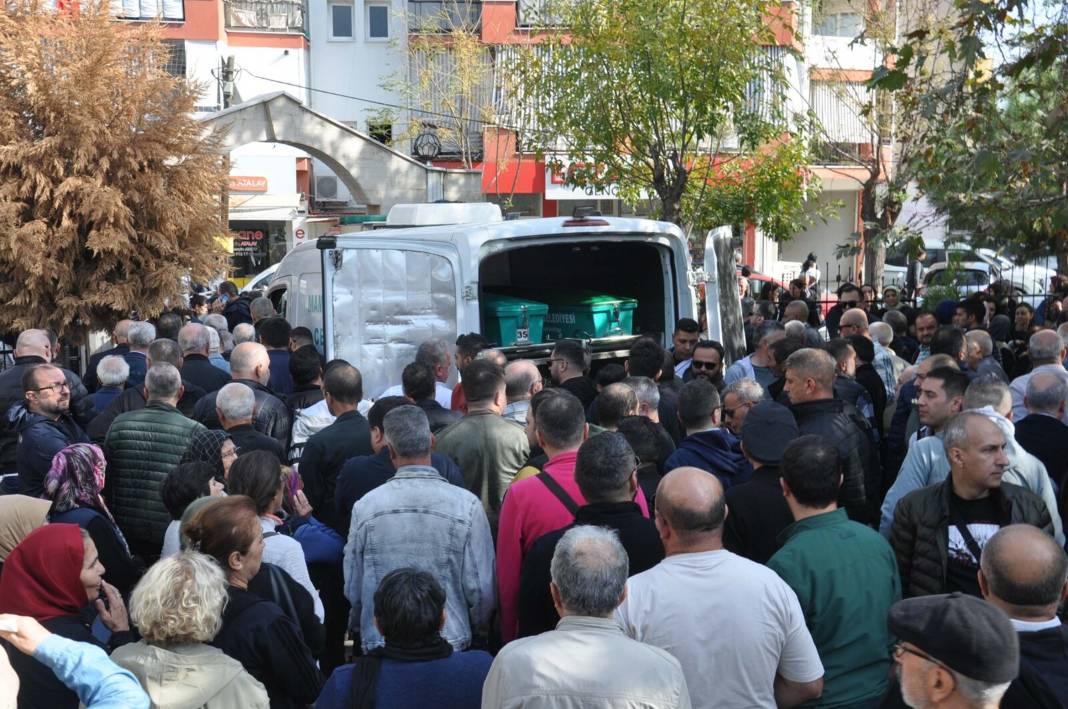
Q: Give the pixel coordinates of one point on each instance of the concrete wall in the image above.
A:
(274, 161)
(823, 238)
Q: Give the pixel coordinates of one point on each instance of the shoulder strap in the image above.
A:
(268, 535)
(966, 535)
(558, 491)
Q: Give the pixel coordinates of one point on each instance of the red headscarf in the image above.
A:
(42, 575)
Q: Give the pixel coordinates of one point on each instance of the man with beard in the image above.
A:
(44, 425)
(707, 363)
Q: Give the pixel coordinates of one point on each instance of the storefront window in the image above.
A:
(257, 245)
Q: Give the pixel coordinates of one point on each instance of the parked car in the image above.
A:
(261, 281)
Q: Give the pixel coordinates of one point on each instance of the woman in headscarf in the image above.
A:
(55, 577)
(74, 484)
(215, 448)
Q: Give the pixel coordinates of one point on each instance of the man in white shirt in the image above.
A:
(736, 628)
(434, 354)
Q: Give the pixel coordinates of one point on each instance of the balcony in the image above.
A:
(287, 16)
(537, 13)
(147, 10)
(435, 16)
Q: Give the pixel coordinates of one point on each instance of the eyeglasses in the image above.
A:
(729, 413)
(900, 649)
(58, 386)
(698, 364)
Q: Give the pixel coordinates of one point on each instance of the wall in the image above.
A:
(824, 238)
(288, 64)
(274, 161)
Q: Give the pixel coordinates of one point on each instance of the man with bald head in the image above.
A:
(939, 531)
(855, 322)
(1042, 433)
(121, 347)
(251, 365)
(522, 381)
(1047, 351)
(34, 347)
(1025, 573)
(751, 646)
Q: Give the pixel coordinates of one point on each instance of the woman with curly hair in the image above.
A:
(74, 484)
(178, 609)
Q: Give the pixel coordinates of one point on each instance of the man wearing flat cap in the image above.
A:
(758, 511)
(954, 651)
(843, 572)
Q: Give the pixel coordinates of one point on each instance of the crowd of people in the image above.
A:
(865, 510)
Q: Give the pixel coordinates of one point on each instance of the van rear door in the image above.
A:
(382, 301)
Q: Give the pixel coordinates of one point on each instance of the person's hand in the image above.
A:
(301, 506)
(26, 636)
(116, 620)
(215, 488)
(10, 679)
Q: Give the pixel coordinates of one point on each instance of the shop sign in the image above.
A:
(247, 183)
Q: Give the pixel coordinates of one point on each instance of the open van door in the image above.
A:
(723, 307)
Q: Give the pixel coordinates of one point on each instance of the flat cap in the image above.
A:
(966, 634)
(767, 430)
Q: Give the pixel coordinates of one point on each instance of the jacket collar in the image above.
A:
(163, 405)
(30, 359)
(819, 406)
(588, 622)
(418, 471)
(767, 475)
(348, 416)
(945, 495)
(254, 385)
(195, 358)
(826, 519)
(600, 512)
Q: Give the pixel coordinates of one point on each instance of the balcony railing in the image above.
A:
(267, 15)
(145, 10)
(537, 13)
(444, 15)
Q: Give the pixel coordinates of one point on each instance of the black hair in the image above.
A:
(948, 340)
(837, 347)
(610, 374)
(540, 398)
(698, 401)
(643, 436)
(305, 365)
(274, 332)
(811, 467)
(645, 359)
(954, 381)
(168, 325)
(471, 344)
(561, 420)
(187, 482)
(711, 345)
(408, 605)
(782, 348)
(481, 380)
(228, 288)
(603, 467)
(257, 474)
(687, 325)
(574, 352)
(418, 381)
(344, 383)
(864, 348)
(302, 334)
(615, 403)
(973, 307)
(383, 406)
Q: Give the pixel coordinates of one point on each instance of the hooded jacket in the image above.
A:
(39, 439)
(716, 451)
(191, 676)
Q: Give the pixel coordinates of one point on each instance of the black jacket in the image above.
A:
(90, 380)
(201, 372)
(303, 396)
(1043, 680)
(758, 513)
(868, 378)
(275, 584)
(256, 633)
(133, 399)
(583, 388)
(39, 439)
(239, 310)
(438, 416)
(271, 414)
(1046, 438)
(81, 407)
(121, 570)
(323, 457)
(248, 439)
(841, 424)
(637, 534)
(920, 532)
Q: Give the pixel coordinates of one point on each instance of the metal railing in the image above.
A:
(289, 16)
(146, 10)
(433, 16)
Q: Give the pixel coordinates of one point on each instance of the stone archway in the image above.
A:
(375, 174)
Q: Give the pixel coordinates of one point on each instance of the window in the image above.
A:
(840, 24)
(377, 22)
(341, 21)
(176, 57)
(380, 131)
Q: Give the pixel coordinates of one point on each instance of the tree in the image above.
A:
(647, 95)
(109, 189)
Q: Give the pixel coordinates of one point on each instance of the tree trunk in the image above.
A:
(874, 244)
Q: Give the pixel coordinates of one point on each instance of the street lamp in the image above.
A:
(427, 145)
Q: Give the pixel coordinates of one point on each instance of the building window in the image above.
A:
(380, 131)
(341, 21)
(839, 24)
(175, 65)
(377, 21)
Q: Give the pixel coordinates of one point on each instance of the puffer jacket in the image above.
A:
(39, 439)
(271, 416)
(841, 424)
(81, 407)
(133, 400)
(142, 448)
(920, 532)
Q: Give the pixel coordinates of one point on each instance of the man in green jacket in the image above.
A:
(142, 447)
(844, 574)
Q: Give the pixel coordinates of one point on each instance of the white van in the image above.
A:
(371, 297)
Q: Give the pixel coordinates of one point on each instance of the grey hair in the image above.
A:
(881, 333)
(896, 319)
(795, 328)
(495, 356)
(987, 390)
(590, 569)
(809, 363)
(955, 434)
(236, 401)
(180, 599)
(768, 327)
(433, 353)
(978, 693)
(982, 340)
(194, 338)
(141, 334)
(747, 390)
(1045, 345)
(214, 342)
(244, 332)
(408, 431)
(645, 389)
(113, 371)
(163, 381)
(261, 308)
(1046, 391)
(216, 322)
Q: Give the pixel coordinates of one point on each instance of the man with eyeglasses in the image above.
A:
(954, 651)
(707, 363)
(44, 425)
(738, 400)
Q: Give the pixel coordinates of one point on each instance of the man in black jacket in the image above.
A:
(418, 384)
(34, 347)
(195, 344)
(118, 336)
(235, 405)
(1024, 573)
(606, 473)
(939, 531)
(250, 365)
(43, 424)
(810, 387)
(348, 436)
(237, 308)
(1042, 432)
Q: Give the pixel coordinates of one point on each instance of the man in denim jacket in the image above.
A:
(418, 519)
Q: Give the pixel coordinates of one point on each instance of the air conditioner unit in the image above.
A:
(326, 187)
